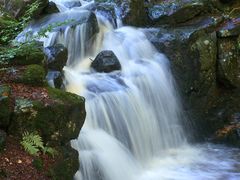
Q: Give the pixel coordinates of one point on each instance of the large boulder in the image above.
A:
(58, 119)
(106, 61)
(57, 56)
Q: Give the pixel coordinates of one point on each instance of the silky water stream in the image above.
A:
(133, 128)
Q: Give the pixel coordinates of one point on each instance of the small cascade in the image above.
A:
(133, 128)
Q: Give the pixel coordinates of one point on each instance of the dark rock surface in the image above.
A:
(106, 61)
(57, 56)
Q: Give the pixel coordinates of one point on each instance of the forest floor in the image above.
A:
(17, 164)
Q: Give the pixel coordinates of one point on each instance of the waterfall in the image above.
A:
(133, 128)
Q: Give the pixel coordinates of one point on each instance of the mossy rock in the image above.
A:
(30, 54)
(57, 122)
(5, 106)
(33, 75)
(66, 165)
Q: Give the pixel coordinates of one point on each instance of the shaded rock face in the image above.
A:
(50, 9)
(57, 56)
(106, 61)
(204, 54)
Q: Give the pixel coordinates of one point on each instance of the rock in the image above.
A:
(29, 54)
(33, 75)
(57, 121)
(72, 3)
(57, 56)
(228, 68)
(134, 13)
(107, 10)
(191, 48)
(75, 17)
(172, 12)
(67, 163)
(54, 79)
(18, 8)
(50, 9)
(106, 61)
(6, 108)
(3, 136)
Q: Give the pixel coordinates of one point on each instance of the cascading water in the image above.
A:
(133, 126)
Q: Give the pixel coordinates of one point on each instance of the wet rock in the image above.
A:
(50, 9)
(71, 20)
(6, 108)
(54, 79)
(3, 136)
(106, 61)
(57, 56)
(172, 12)
(107, 10)
(72, 4)
(188, 47)
(228, 68)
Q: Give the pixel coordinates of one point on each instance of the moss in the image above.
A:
(34, 75)
(65, 97)
(29, 54)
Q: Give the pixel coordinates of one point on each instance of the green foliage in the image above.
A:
(12, 27)
(33, 144)
(34, 74)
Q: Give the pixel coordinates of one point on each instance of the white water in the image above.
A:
(133, 125)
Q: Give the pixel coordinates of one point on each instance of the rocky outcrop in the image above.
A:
(27, 104)
(106, 61)
(204, 53)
